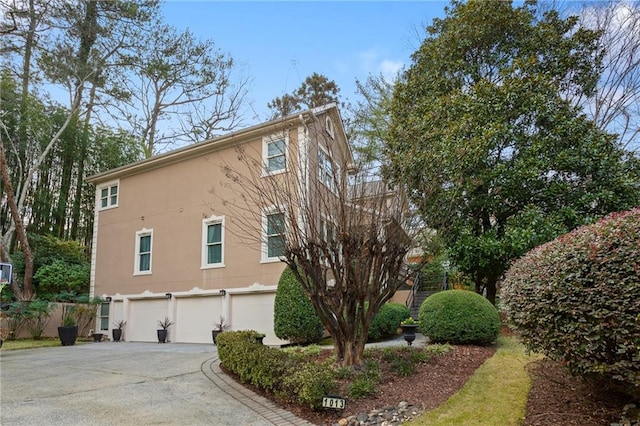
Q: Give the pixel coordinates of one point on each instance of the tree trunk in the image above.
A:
(77, 199)
(68, 153)
(26, 292)
(491, 291)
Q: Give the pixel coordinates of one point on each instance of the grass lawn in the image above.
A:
(9, 345)
(495, 395)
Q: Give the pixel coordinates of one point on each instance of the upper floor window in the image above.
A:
(144, 244)
(327, 234)
(108, 195)
(327, 230)
(273, 246)
(213, 242)
(326, 169)
(274, 153)
(329, 127)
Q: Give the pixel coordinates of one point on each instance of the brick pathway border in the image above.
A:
(260, 405)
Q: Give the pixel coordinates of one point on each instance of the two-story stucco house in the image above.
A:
(165, 245)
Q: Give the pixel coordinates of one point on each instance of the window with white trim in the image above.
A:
(326, 169)
(104, 316)
(213, 242)
(327, 234)
(144, 245)
(107, 195)
(274, 154)
(273, 222)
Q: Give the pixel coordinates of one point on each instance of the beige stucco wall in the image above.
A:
(173, 201)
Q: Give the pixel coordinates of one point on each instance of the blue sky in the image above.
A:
(279, 44)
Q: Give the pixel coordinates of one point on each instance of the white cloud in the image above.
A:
(372, 61)
(390, 69)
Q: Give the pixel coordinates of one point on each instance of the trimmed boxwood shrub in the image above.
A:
(459, 317)
(386, 322)
(309, 382)
(294, 317)
(289, 375)
(577, 299)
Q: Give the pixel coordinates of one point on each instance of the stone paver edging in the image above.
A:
(260, 405)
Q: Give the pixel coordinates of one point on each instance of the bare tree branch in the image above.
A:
(345, 243)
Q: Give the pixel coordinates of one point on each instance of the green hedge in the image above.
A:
(459, 317)
(285, 374)
(387, 320)
(294, 317)
(577, 299)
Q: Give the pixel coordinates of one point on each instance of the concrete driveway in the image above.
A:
(126, 383)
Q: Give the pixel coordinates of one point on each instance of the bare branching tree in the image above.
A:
(177, 75)
(346, 243)
(615, 106)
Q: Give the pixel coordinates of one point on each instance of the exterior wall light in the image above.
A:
(168, 295)
(223, 292)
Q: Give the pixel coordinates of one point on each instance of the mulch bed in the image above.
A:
(557, 398)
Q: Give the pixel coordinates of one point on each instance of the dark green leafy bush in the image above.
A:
(403, 359)
(362, 386)
(387, 320)
(459, 317)
(17, 315)
(253, 362)
(577, 299)
(309, 382)
(37, 316)
(290, 374)
(294, 316)
(61, 276)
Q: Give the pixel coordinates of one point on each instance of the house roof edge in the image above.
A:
(200, 148)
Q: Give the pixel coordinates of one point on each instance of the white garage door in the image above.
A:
(144, 315)
(195, 317)
(253, 312)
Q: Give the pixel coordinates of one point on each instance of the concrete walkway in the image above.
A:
(126, 383)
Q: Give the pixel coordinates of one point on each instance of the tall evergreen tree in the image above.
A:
(491, 151)
(316, 90)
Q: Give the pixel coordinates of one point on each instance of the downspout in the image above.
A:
(303, 146)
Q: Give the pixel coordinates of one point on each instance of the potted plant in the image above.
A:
(219, 327)
(162, 333)
(116, 333)
(97, 337)
(68, 331)
(409, 329)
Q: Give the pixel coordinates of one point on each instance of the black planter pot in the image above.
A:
(68, 335)
(409, 332)
(97, 337)
(214, 335)
(259, 339)
(116, 333)
(162, 336)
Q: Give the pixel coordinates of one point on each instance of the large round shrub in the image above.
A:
(387, 320)
(577, 299)
(294, 316)
(459, 317)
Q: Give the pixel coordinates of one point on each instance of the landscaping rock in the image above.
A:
(388, 416)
